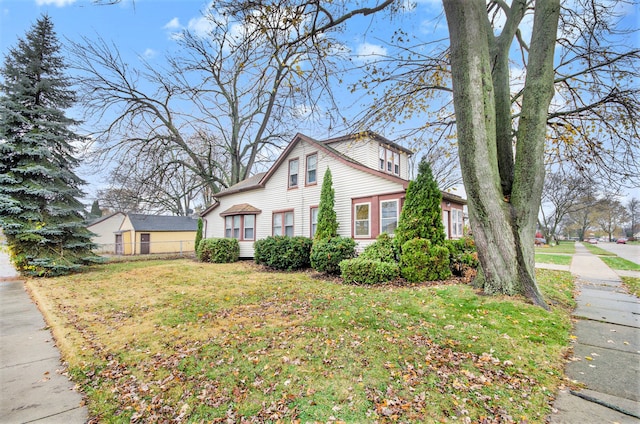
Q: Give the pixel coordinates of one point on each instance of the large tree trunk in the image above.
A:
(503, 199)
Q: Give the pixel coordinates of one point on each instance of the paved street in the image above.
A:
(630, 252)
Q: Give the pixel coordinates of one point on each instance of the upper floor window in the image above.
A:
(389, 160)
(293, 173)
(312, 164)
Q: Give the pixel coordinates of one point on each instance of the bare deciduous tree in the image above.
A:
(561, 195)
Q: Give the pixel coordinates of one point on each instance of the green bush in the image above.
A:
(383, 249)
(326, 254)
(368, 271)
(283, 252)
(462, 255)
(219, 250)
(420, 261)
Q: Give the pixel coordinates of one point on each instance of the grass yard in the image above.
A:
(597, 250)
(191, 342)
(566, 247)
(616, 262)
(632, 284)
(553, 259)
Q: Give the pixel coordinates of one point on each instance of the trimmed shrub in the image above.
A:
(326, 254)
(219, 250)
(368, 271)
(462, 255)
(283, 252)
(383, 249)
(420, 261)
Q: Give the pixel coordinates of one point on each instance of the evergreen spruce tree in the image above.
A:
(96, 212)
(327, 219)
(421, 215)
(39, 208)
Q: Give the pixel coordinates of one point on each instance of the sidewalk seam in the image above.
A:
(603, 403)
(56, 357)
(53, 415)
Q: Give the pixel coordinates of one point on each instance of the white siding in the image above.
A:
(362, 150)
(348, 183)
(105, 232)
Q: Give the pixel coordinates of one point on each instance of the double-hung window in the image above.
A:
(312, 165)
(361, 212)
(293, 173)
(241, 227)
(388, 216)
(457, 217)
(283, 224)
(314, 221)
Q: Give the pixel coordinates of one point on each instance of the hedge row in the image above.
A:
(417, 260)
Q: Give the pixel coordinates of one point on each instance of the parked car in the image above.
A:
(621, 240)
(540, 241)
(592, 240)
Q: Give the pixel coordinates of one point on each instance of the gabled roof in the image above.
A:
(369, 134)
(142, 222)
(259, 180)
(104, 218)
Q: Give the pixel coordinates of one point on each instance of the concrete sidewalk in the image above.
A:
(32, 388)
(606, 354)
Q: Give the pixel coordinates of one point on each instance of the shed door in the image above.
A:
(119, 247)
(145, 241)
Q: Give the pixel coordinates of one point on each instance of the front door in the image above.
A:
(145, 241)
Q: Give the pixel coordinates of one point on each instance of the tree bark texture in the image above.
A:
(504, 190)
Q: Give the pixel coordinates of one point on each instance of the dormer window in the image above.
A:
(389, 160)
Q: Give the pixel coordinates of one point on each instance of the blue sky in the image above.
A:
(144, 28)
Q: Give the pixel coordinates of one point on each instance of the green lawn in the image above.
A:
(617, 262)
(553, 259)
(597, 250)
(155, 340)
(568, 247)
(633, 284)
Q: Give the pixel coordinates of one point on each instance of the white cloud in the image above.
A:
(367, 52)
(149, 54)
(201, 26)
(173, 24)
(58, 3)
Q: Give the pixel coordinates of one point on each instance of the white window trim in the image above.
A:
(297, 173)
(314, 169)
(355, 220)
(397, 202)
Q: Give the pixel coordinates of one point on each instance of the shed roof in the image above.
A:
(142, 222)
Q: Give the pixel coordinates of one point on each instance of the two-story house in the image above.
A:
(370, 177)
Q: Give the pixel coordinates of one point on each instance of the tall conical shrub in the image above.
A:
(421, 215)
(327, 220)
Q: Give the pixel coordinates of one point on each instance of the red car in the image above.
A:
(621, 240)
